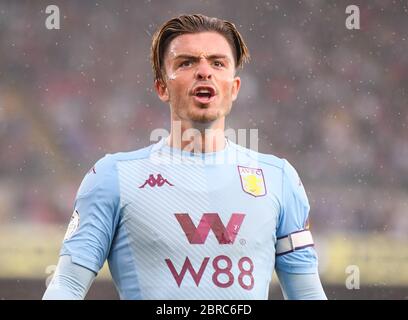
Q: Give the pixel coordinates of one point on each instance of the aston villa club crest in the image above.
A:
(252, 181)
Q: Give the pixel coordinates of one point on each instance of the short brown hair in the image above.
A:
(195, 23)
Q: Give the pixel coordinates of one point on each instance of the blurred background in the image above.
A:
(332, 101)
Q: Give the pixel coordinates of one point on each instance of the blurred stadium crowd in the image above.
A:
(333, 101)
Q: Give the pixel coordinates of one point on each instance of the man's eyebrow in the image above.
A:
(211, 57)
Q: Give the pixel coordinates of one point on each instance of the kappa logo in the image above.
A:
(153, 182)
(198, 235)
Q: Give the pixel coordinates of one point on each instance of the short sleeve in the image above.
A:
(96, 213)
(294, 217)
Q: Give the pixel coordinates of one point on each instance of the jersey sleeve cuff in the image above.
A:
(82, 261)
(312, 268)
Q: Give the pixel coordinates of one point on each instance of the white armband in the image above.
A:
(294, 241)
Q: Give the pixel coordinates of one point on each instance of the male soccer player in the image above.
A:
(193, 216)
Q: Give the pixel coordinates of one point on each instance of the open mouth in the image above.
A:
(204, 94)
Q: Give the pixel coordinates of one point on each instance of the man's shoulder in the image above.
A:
(129, 155)
(104, 171)
(282, 165)
(110, 160)
(264, 158)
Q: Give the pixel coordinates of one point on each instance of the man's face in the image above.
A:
(199, 77)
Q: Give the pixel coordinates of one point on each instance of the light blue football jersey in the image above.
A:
(182, 225)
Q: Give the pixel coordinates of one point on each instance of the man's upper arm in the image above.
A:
(96, 213)
(293, 218)
(301, 286)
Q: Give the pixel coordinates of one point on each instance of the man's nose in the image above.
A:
(204, 70)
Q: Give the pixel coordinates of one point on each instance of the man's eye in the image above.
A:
(186, 63)
(218, 64)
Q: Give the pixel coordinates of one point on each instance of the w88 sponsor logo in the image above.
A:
(245, 277)
(225, 235)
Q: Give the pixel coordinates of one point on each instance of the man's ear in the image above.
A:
(161, 90)
(235, 88)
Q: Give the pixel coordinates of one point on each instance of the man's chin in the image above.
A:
(206, 115)
(203, 117)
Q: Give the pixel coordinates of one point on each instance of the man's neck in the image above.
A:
(197, 137)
